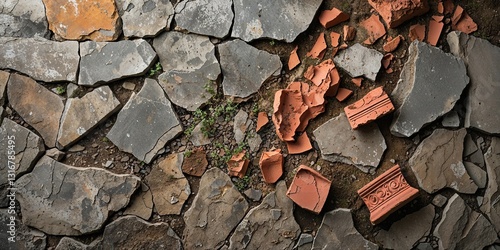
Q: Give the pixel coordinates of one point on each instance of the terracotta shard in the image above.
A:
(461, 21)
(309, 74)
(386, 60)
(435, 29)
(343, 94)
(374, 28)
(417, 32)
(321, 71)
(349, 33)
(357, 81)
(329, 18)
(392, 44)
(334, 84)
(448, 6)
(262, 120)
(271, 165)
(294, 59)
(196, 163)
(301, 145)
(395, 12)
(334, 38)
(440, 8)
(457, 15)
(238, 165)
(309, 189)
(288, 110)
(372, 106)
(438, 18)
(318, 50)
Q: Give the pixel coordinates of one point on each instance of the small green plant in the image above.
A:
(60, 90)
(272, 42)
(188, 153)
(189, 131)
(105, 139)
(255, 108)
(242, 183)
(209, 87)
(155, 70)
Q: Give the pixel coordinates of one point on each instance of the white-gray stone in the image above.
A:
(253, 194)
(241, 125)
(421, 96)
(358, 60)
(304, 242)
(205, 17)
(22, 236)
(23, 18)
(198, 138)
(490, 205)
(144, 18)
(71, 90)
(451, 120)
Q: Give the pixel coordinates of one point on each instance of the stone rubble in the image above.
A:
(141, 203)
(205, 17)
(358, 60)
(144, 18)
(490, 207)
(25, 237)
(23, 18)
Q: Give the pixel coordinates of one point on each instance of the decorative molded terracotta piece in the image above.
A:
(271, 165)
(374, 28)
(329, 18)
(238, 165)
(319, 48)
(301, 145)
(262, 120)
(309, 189)
(372, 106)
(294, 59)
(387, 193)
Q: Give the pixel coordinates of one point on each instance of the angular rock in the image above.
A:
(451, 120)
(51, 188)
(419, 97)
(144, 18)
(215, 212)
(23, 18)
(477, 174)
(490, 205)
(254, 140)
(196, 163)
(480, 56)
(130, 231)
(258, 18)
(55, 154)
(477, 158)
(141, 203)
(362, 148)
(462, 228)
(41, 59)
(469, 146)
(245, 68)
(437, 162)
(104, 62)
(146, 123)
(305, 242)
(38, 106)
(81, 115)
(404, 233)
(271, 225)
(337, 231)
(358, 60)
(68, 243)
(240, 126)
(439, 200)
(396, 12)
(24, 238)
(4, 79)
(253, 194)
(198, 138)
(205, 17)
(83, 20)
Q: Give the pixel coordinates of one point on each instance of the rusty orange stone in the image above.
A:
(386, 194)
(309, 189)
(372, 106)
(329, 18)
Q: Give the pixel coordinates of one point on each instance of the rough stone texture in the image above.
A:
(462, 228)
(205, 17)
(477, 174)
(305, 242)
(241, 125)
(439, 200)
(130, 232)
(245, 68)
(67, 243)
(81, 115)
(141, 203)
(337, 231)
(25, 237)
(144, 18)
(490, 205)
(198, 138)
(82, 19)
(469, 146)
(190, 67)
(451, 120)
(63, 200)
(270, 225)
(253, 194)
(104, 62)
(4, 79)
(404, 233)
(362, 148)
(420, 97)
(215, 212)
(23, 18)
(38, 106)
(481, 58)
(280, 20)
(168, 185)
(437, 162)
(146, 123)
(396, 12)
(41, 59)
(359, 60)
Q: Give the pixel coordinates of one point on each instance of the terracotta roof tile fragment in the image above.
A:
(395, 12)
(301, 145)
(374, 28)
(262, 120)
(294, 59)
(417, 32)
(438, 18)
(343, 94)
(386, 60)
(288, 110)
(392, 44)
(334, 83)
(238, 165)
(334, 38)
(271, 165)
(448, 6)
(373, 105)
(309, 189)
(329, 18)
(357, 81)
(440, 8)
(434, 32)
(461, 21)
(349, 33)
(318, 50)
(457, 15)
(321, 71)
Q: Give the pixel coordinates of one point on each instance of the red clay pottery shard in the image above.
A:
(372, 106)
(440, 8)
(386, 194)
(271, 165)
(417, 32)
(392, 44)
(448, 6)
(321, 71)
(301, 145)
(343, 94)
(329, 18)
(262, 120)
(288, 110)
(334, 83)
(196, 163)
(319, 48)
(435, 29)
(463, 22)
(357, 81)
(309, 189)
(294, 59)
(349, 33)
(386, 60)
(374, 28)
(395, 12)
(238, 165)
(334, 39)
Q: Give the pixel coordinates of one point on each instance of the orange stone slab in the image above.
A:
(271, 165)
(238, 165)
(372, 106)
(262, 120)
(318, 50)
(386, 194)
(343, 94)
(329, 18)
(374, 28)
(309, 189)
(434, 32)
(417, 32)
(349, 33)
(294, 59)
(301, 145)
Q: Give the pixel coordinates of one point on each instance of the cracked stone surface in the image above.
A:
(41, 59)
(437, 162)
(4, 79)
(362, 147)
(241, 125)
(103, 62)
(141, 203)
(270, 225)
(359, 60)
(256, 19)
(245, 68)
(81, 115)
(60, 199)
(146, 123)
(25, 237)
(38, 106)
(205, 17)
(490, 205)
(419, 97)
(215, 212)
(67, 243)
(23, 18)
(144, 18)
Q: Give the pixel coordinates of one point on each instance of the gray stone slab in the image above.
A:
(103, 62)
(304, 242)
(245, 68)
(469, 146)
(490, 205)
(482, 60)
(477, 174)
(253, 194)
(241, 125)
(439, 200)
(23, 18)
(15, 235)
(146, 123)
(41, 59)
(63, 200)
(362, 147)
(451, 120)
(421, 95)
(144, 18)
(67, 243)
(141, 203)
(280, 20)
(358, 60)
(4, 79)
(205, 17)
(198, 138)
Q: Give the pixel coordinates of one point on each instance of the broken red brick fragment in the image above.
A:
(434, 32)
(417, 32)
(271, 165)
(329, 18)
(461, 21)
(319, 48)
(343, 94)
(294, 59)
(334, 38)
(320, 72)
(448, 6)
(392, 44)
(374, 28)
(309, 189)
(373, 105)
(196, 163)
(301, 145)
(440, 8)
(238, 165)
(395, 12)
(349, 33)
(357, 81)
(386, 194)
(386, 60)
(262, 120)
